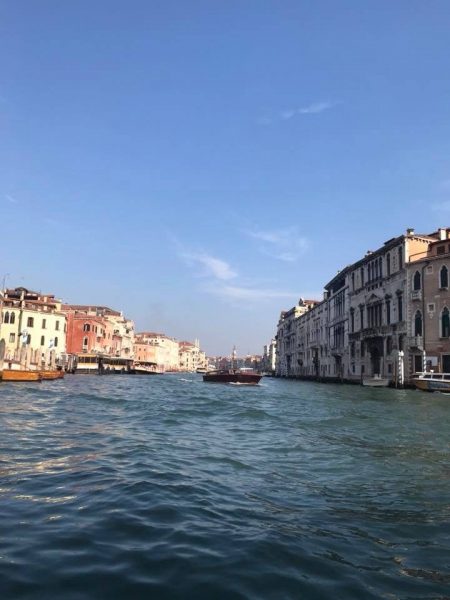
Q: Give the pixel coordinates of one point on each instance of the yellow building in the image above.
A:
(33, 327)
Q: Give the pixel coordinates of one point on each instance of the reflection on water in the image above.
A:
(169, 488)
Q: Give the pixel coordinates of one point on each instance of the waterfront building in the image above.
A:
(191, 357)
(144, 352)
(428, 326)
(268, 362)
(98, 329)
(393, 300)
(98, 338)
(313, 341)
(289, 357)
(33, 326)
(380, 310)
(166, 349)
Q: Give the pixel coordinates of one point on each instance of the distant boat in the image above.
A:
(244, 376)
(432, 382)
(146, 369)
(376, 381)
(20, 375)
(232, 376)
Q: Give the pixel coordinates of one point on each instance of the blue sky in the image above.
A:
(202, 164)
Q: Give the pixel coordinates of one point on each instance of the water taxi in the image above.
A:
(432, 382)
(236, 376)
(146, 368)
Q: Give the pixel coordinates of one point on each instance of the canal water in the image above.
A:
(167, 487)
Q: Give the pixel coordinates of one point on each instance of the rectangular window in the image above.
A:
(400, 308)
(12, 337)
(30, 322)
(57, 325)
(44, 323)
(388, 312)
(42, 340)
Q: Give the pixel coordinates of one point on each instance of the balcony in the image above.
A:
(376, 331)
(416, 341)
(416, 295)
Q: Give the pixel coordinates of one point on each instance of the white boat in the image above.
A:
(432, 382)
(146, 368)
(376, 381)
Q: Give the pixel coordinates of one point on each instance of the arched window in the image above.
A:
(12, 318)
(417, 283)
(85, 341)
(6, 317)
(380, 261)
(443, 277)
(388, 264)
(445, 323)
(86, 327)
(418, 323)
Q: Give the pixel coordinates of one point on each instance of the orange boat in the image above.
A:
(52, 374)
(19, 375)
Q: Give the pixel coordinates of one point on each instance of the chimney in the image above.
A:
(410, 231)
(442, 233)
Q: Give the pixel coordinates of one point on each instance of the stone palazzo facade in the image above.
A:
(393, 300)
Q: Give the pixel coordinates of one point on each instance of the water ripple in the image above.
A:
(166, 487)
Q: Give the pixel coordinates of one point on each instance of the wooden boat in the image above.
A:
(432, 382)
(51, 374)
(376, 381)
(235, 376)
(20, 375)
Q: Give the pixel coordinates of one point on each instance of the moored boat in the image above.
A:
(51, 374)
(235, 376)
(376, 381)
(432, 382)
(20, 375)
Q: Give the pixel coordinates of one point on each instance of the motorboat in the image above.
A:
(235, 376)
(376, 381)
(432, 382)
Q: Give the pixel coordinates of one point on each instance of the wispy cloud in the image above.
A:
(311, 109)
(283, 244)
(222, 280)
(211, 265)
(11, 199)
(235, 292)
